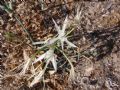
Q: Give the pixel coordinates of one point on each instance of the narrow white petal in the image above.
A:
(51, 41)
(62, 44)
(25, 67)
(49, 53)
(70, 44)
(54, 63)
(36, 43)
(56, 26)
(65, 24)
(77, 17)
(40, 58)
(78, 14)
(2, 7)
(10, 5)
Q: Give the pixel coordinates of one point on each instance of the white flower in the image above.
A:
(49, 56)
(61, 33)
(48, 42)
(78, 14)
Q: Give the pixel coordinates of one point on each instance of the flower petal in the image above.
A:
(65, 24)
(78, 14)
(69, 43)
(36, 43)
(54, 63)
(62, 44)
(40, 58)
(56, 26)
(51, 41)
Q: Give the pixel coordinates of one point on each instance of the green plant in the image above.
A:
(49, 46)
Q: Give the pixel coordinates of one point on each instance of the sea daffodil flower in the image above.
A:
(62, 34)
(46, 43)
(78, 14)
(49, 56)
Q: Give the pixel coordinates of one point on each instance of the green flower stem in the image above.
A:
(72, 72)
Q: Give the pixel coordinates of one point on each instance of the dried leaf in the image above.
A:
(27, 62)
(37, 78)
